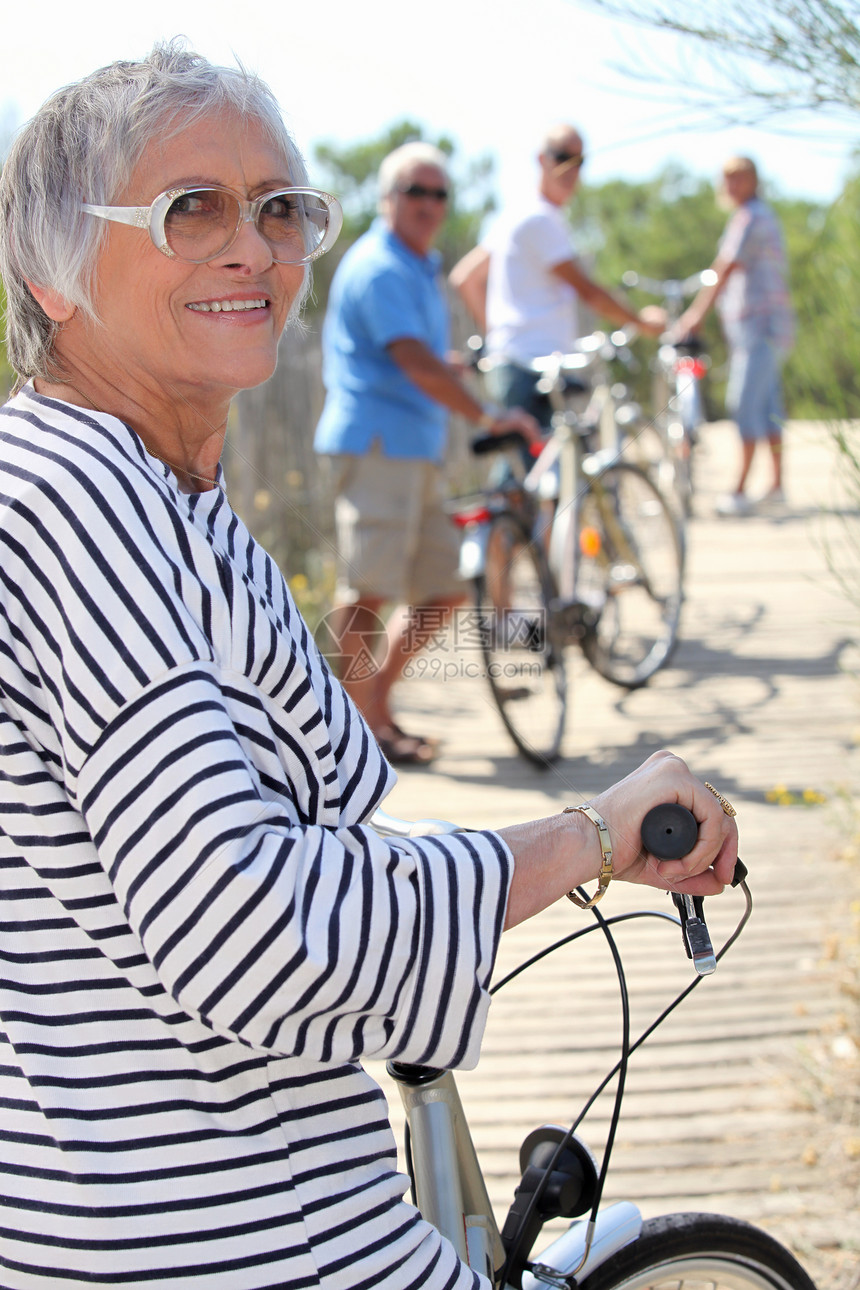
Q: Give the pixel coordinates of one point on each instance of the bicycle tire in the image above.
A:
(688, 400)
(522, 647)
(698, 1251)
(629, 577)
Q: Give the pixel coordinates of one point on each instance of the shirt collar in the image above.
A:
(429, 264)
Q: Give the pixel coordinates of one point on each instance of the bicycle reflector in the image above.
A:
(689, 366)
(589, 541)
(476, 515)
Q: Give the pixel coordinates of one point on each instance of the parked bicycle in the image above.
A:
(677, 404)
(580, 549)
(612, 1248)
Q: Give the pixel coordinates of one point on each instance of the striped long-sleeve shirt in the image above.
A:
(199, 938)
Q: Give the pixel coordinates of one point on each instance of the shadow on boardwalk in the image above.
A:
(746, 1101)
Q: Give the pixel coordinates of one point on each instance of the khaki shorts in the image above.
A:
(394, 540)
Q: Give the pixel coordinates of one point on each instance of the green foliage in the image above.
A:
(825, 367)
(350, 171)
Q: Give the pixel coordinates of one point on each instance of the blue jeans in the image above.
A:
(754, 392)
(514, 387)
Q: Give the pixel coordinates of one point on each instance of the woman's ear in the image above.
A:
(55, 306)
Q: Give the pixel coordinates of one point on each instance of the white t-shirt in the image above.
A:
(530, 311)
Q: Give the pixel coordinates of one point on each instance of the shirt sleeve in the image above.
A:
(544, 241)
(326, 942)
(734, 241)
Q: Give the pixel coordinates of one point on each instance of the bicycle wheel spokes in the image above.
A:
(629, 578)
(523, 654)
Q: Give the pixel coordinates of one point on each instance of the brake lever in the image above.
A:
(694, 930)
(669, 831)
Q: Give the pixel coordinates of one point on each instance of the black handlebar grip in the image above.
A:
(486, 443)
(669, 832)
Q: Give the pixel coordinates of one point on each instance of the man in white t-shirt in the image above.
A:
(523, 282)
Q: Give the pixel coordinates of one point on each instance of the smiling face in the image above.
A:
(199, 331)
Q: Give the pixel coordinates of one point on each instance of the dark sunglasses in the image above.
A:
(575, 158)
(418, 190)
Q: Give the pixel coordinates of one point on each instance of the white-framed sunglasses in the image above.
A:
(198, 224)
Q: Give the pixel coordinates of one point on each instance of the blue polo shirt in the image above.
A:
(381, 292)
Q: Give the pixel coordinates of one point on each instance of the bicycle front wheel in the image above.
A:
(700, 1252)
(522, 648)
(629, 578)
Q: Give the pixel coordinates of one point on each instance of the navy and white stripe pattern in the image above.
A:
(199, 940)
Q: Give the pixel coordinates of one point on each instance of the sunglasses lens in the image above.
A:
(201, 223)
(418, 190)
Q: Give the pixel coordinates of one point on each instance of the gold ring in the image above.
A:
(723, 801)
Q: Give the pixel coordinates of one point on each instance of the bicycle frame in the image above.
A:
(570, 432)
(451, 1194)
(565, 451)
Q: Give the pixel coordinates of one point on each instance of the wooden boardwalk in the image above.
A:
(746, 1101)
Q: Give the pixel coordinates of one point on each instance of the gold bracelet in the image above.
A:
(604, 878)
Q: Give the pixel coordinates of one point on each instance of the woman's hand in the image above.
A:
(666, 778)
(554, 855)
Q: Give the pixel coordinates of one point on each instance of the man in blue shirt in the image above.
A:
(389, 389)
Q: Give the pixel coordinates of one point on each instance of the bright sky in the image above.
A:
(493, 74)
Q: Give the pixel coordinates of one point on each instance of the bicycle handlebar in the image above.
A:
(669, 831)
(671, 289)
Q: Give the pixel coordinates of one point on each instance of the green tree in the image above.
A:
(773, 56)
(825, 368)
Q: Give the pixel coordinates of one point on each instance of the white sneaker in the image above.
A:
(776, 497)
(733, 504)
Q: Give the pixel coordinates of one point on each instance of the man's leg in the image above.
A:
(411, 628)
(393, 536)
(776, 417)
(434, 593)
(360, 641)
(753, 369)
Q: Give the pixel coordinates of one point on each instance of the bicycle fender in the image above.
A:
(616, 1226)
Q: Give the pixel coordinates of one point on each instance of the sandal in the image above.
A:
(400, 749)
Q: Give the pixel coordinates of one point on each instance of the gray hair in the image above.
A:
(83, 146)
(416, 153)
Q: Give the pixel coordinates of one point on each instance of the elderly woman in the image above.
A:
(202, 938)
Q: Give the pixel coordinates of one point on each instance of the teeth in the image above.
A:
(228, 306)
